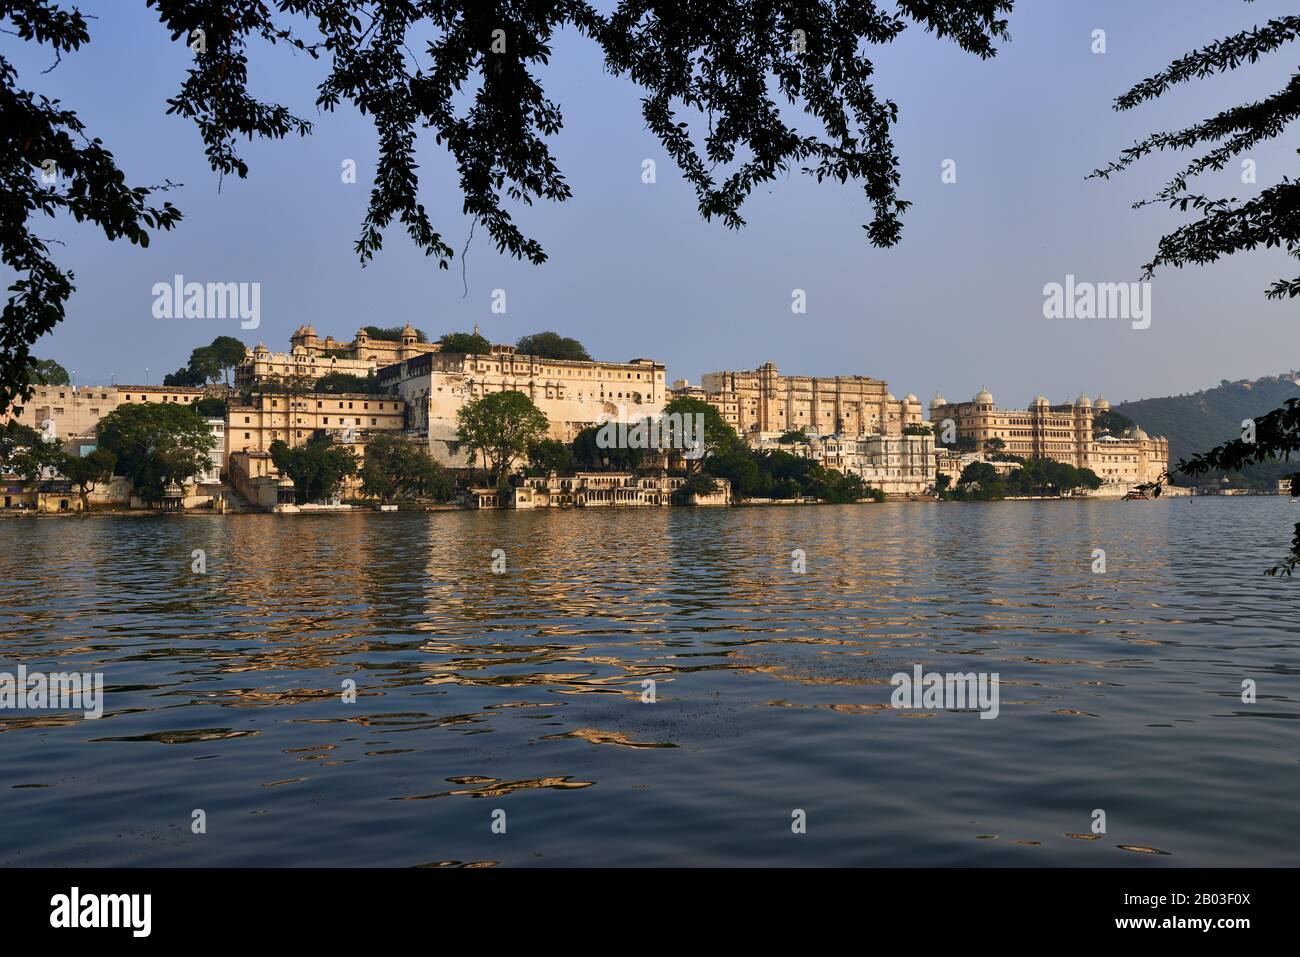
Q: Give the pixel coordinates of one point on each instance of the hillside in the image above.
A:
(1199, 421)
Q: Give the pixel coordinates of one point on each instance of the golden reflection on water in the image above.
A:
(538, 673)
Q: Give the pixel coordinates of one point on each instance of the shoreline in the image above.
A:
(17, 514)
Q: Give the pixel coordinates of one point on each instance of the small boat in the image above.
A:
(1136, 496)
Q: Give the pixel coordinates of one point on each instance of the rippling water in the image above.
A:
(522, 691)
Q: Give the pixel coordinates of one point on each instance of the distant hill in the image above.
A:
(1201, 420)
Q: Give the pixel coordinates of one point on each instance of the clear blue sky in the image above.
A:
(634, 271)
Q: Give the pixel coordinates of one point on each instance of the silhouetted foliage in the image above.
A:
(1226, 226)
(729, 65)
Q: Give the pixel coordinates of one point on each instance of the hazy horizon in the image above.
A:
(634, 271)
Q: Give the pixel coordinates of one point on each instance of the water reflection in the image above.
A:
(1119, 691)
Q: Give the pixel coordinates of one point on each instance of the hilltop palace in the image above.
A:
(851, 423)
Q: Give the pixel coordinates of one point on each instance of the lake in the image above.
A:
(524, 690)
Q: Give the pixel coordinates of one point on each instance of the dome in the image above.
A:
(911, 399)
(310, 330)
(983, 397)
(362, 334)
(1039, 401)
(1137, 433)
(889, 397)
(1083, 402)
(261, 347)
(938, 400)
(1101, 405)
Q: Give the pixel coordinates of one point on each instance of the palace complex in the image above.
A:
(1062, 432)
(851, 423)
(572, 394)
(310, 357)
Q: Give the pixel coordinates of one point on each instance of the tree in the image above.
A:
(1223, 227)
(317, 468)
(550, 455)
(184, 377)
(839, 488)
(980, 480)
(697, 484)
(392, 333)
(86, 472)
(210, 363)
(793, 476)
(204, 366)
(25, 453)
(399, 468)
(49, 372)
(155, 444)
(731, 63)
(1107, 422)
(740, 467)
(465, 343)
(501, 425)
(994, 445)
(589, 456)
(210, 407)
(718, 435)
(551, 345)
(226, 352)
(335, 383)
(918, 428)
(792, 437)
